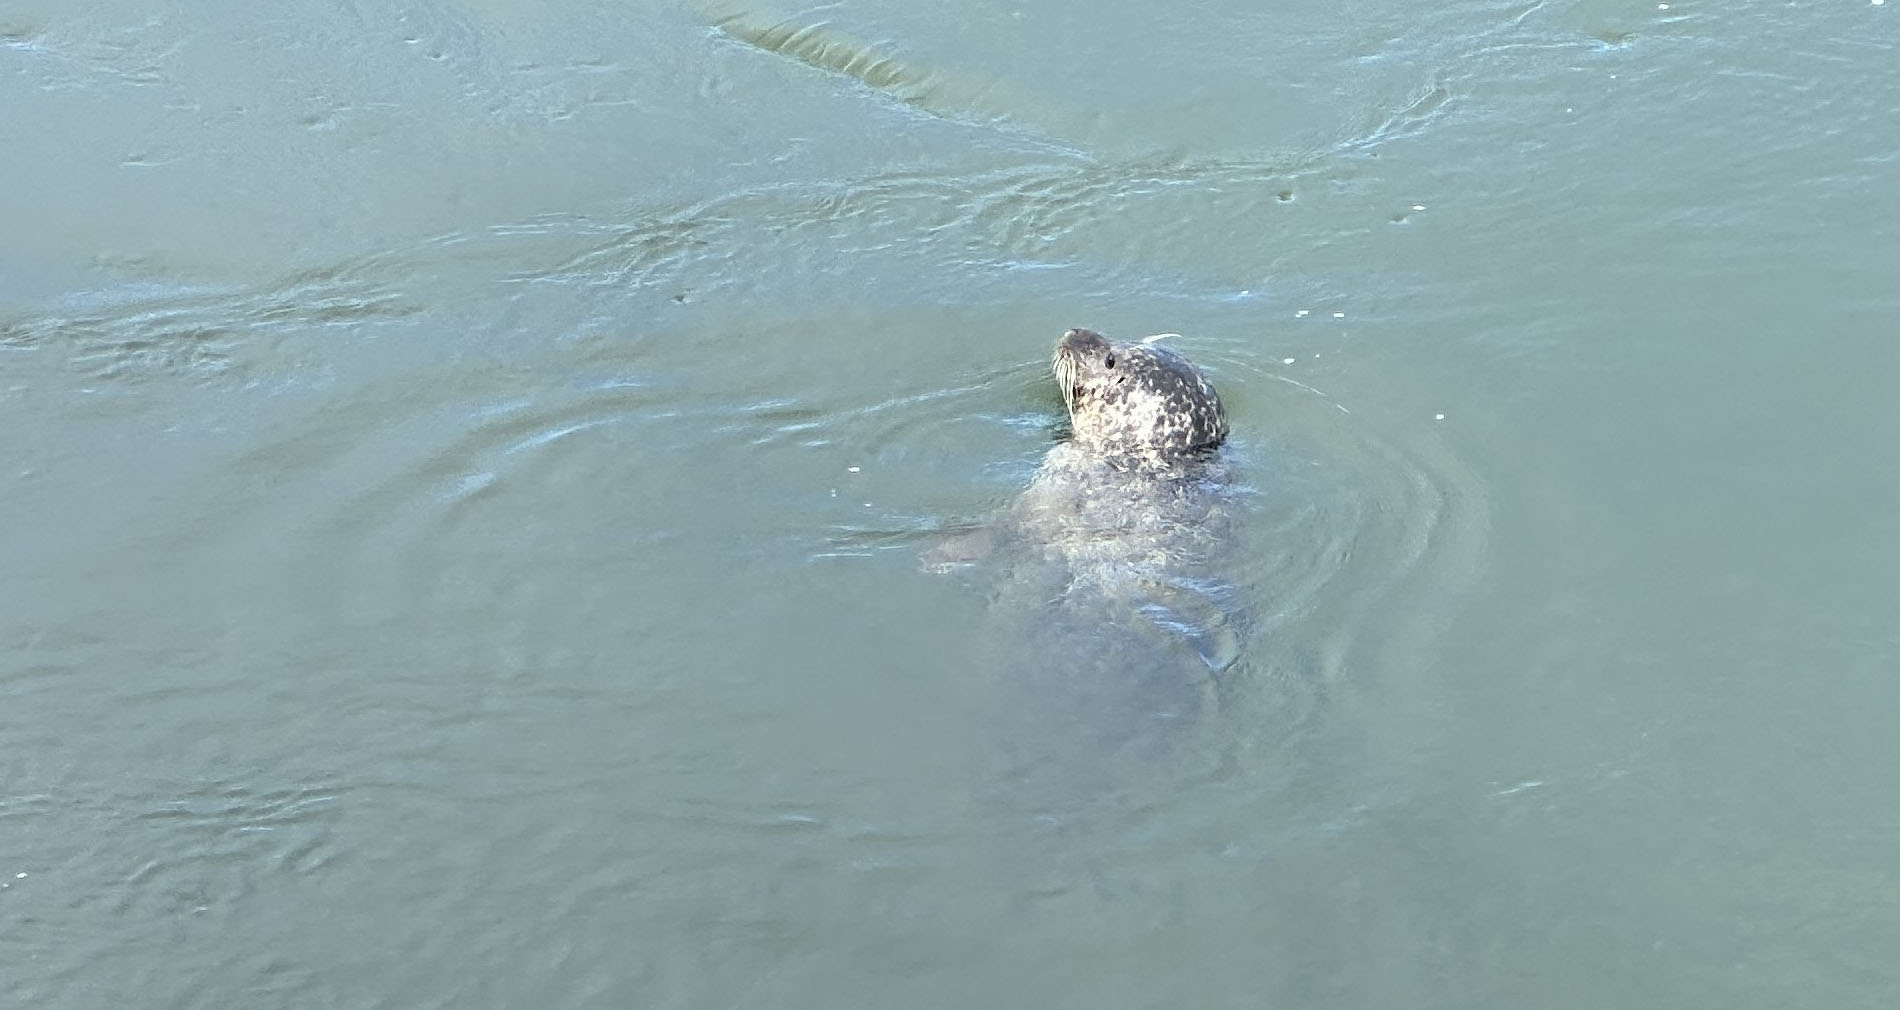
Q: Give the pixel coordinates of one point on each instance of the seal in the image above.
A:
(1133, 498)
(1133, 504)
(1114, 611)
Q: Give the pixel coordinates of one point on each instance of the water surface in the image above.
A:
(466, 469)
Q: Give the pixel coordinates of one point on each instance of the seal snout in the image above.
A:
(1078, 354)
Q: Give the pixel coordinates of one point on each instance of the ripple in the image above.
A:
(1361, 538)
(196, 333)
(1382, 523)
(1110, 222)
(824, 46)
(209, 845)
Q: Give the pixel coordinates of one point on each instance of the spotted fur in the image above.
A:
(1136, 404)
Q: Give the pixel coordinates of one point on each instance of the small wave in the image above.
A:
(824, 46)
(198, 333)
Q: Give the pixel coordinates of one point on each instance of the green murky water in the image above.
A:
(465, 471)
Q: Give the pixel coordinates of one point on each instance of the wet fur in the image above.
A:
(1136, 404)
(1115, 610)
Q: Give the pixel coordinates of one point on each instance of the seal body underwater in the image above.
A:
(1137, 505)
(1113, 612)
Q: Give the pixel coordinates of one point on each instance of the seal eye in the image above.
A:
(1108, 362)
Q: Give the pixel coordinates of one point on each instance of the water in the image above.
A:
(465, 472)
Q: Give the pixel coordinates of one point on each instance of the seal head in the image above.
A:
(1136, 403)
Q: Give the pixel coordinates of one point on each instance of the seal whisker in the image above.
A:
(1065, 376)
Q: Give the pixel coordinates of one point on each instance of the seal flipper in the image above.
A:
(960, 549)
(1201, 623)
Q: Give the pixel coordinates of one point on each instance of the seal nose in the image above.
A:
(1078, 339)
